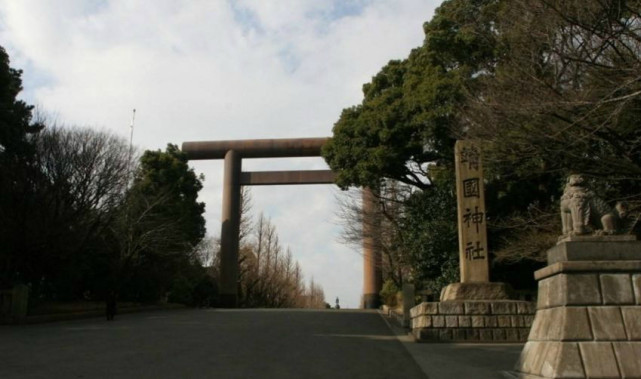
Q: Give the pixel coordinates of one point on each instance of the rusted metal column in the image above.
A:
(230, 230)
(372, 259)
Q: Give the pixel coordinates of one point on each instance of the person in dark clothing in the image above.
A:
(111, 306)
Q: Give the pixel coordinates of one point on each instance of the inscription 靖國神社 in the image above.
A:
(471, 212)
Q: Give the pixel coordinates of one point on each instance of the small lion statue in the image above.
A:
(584, 213)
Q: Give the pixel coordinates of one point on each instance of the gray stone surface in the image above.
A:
(425, 308)
(464, 317)
(451, 321)
(451, 308)
(477, 307)
(595, 250)
(422, 322)
(632, 322)
(588, 266)
(465, 321)
(636, 283)
(445, 335)
(538, 329)
(490, 321)
(580, 289)
(598, 360)
(569, 289)
(555, 324)
(598, 238)
(498, 334)
(576, 325)
(478, 321)
(629, 358)
(616, 288)
(472, 334)
(512, 334)
(409, 302)
(607, 323)
(526, 359)
(504, 307)
(523, 334)
(588, 322)
(503, 321)
(538, 359)
(563, 361)
(475, 291)
(486, 334)
(458, 334)
(546, 297)
(525, 308)
(561, 324)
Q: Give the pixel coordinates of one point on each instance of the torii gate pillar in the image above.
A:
(230, 230)
(372, 259)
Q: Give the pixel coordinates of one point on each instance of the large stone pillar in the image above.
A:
(372, 260)
(473, 255)
(230, 230)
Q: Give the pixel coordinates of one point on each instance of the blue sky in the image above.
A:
(219, 70)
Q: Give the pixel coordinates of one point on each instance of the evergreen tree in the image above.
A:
(17, 175)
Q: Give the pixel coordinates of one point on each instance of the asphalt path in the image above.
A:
(210, 343)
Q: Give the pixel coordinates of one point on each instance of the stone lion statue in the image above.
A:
(583, 212)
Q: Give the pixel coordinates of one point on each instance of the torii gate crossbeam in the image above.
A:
(233, 152)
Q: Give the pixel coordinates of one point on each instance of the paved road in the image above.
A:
(210, 344)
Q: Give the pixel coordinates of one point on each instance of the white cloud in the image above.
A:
(213, 70)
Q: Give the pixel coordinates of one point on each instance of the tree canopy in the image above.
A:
(409, 114)
(17, 173)
(549, 87)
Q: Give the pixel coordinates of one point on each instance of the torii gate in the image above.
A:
(233, 152)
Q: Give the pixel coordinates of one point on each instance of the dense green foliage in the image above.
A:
(16, 174)
(409, 109)
(166, 174)
(156, 230)
(550, 87)
(429, 235)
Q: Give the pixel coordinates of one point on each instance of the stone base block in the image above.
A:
(472, 321)
(590, 359)
(475, 291)
(588, 322)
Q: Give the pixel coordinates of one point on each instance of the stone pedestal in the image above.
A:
(472, 321)
(588, 318)
(475, 291)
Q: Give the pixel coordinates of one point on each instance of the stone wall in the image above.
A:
(472, 321)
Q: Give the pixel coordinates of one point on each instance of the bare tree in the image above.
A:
(269, 276)
(565, 94)
(359, 222)
(79, 179)
(85, 175)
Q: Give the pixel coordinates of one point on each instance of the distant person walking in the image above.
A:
(111, 305)
(338, 306)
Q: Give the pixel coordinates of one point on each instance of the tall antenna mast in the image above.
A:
(131, 143)
(131, 137)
